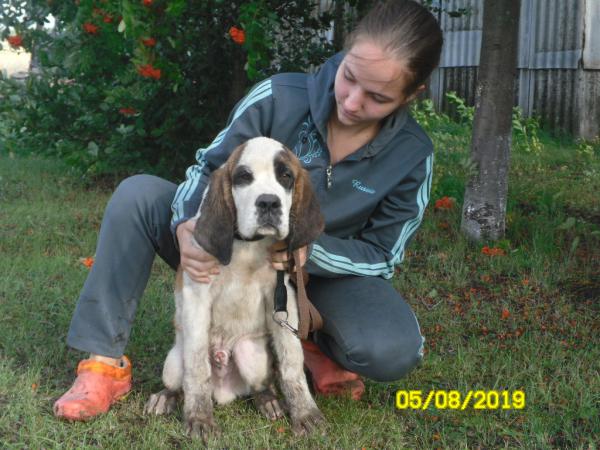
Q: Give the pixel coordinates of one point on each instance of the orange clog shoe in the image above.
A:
(96, 388)
(329, 378)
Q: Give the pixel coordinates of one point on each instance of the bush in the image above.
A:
(137, 85)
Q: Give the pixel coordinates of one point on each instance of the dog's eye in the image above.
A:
(285, 176)
(242, 176)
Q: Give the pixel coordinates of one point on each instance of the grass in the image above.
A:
(525, 321)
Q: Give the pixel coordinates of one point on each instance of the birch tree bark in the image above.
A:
(484, 208)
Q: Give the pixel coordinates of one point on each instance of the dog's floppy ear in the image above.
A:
(306, 221)
(216, 225)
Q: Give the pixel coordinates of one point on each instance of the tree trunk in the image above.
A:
(339, 25)
(35, 65)
(484, 208)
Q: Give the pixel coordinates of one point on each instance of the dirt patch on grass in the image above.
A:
(583, 289)
(588, 215)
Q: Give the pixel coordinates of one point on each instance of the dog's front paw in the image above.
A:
(201, 426)
(308, 422)
(162, 402)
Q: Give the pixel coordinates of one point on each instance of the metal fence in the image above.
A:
(559, 61)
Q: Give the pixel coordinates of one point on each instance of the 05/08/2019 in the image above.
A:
(415, 399)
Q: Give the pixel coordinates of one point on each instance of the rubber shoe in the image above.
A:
(96, 388)
(328, 377)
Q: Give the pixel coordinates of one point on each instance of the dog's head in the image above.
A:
(262, 190)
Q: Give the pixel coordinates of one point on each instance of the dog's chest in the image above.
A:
(242, 292)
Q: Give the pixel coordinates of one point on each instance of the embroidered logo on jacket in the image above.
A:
(357, 184)
(308, 146)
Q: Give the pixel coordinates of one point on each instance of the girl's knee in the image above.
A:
(138, 189)
(387, 362)
(139, 195)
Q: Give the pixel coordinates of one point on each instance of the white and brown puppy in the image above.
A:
(226, 340)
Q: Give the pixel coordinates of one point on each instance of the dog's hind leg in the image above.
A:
(267, 403)
(253, 361)
(172, 374)
(255, 365)
(163, 402)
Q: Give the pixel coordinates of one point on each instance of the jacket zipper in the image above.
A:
(329, 178)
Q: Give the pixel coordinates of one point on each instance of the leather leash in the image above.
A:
(309, 318)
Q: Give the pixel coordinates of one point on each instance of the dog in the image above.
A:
(227, 340)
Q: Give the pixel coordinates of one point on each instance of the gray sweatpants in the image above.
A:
(368, 327)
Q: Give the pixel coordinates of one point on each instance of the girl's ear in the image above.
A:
(415, 94)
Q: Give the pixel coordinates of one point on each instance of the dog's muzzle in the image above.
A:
(268, 208)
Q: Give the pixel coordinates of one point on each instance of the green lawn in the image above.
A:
(526, 320)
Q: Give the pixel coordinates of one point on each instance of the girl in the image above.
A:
(370, 165)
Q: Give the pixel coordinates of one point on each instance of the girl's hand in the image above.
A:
(279, 256)
(198, 264)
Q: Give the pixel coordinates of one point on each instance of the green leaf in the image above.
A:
(93, 149)
(176, 7)
(569, 223)
(122, 129)
(574, 244)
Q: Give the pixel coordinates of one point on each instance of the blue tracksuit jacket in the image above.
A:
(373, 200)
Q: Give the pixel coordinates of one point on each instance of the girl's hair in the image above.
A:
(409, 31)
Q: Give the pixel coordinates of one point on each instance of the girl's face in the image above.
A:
(369, 85)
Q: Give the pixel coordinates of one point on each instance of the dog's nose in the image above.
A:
(267, 203)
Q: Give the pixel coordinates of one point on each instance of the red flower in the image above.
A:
(90, 28)
(87, 262)
(147, 71)
(445, 203)
(149, 42)
(505, 314)
(493, 251)
(15, 41)
(237, 35)
(147, 2)
(129, 111)
(107, 19)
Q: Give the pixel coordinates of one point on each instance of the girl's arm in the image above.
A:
(251, 117)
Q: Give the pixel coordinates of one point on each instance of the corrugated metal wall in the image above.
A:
(559, 60)
(555, 80)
